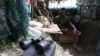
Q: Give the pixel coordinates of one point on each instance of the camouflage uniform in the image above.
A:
(64, 23)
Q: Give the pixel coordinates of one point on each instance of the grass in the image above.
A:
(9, 49)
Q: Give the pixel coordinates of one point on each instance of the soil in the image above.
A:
(10, 50)
(70, 51)
(61, 50)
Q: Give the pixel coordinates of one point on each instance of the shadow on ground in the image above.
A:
(70, 51)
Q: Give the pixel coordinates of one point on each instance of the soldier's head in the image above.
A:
(63, 11)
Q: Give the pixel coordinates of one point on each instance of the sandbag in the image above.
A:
(34, 32)
(45, 21)
(35, 24)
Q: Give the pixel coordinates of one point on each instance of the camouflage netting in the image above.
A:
(17, 17)
(4, 29)
(13, 18)
(39, 8)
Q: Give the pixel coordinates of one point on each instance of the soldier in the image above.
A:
(67, 27)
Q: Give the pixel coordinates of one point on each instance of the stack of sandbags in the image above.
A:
(35, 23)
(34, 32)
(45, 21)
(35, 28)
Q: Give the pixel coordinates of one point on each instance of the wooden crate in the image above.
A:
(66, 39)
